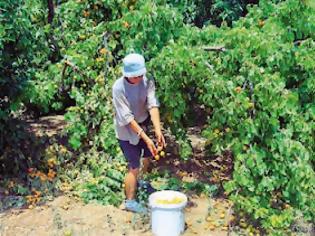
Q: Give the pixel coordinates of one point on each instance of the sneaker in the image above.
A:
(145, 185)
(134, 206)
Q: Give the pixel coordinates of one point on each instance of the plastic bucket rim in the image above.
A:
(178, 206)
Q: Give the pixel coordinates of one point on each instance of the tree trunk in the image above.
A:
(51, 11)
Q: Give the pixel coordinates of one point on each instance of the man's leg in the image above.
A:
(146, 160)
(130, 189)
(132, 155)
(145, 165)
(132, 178)
(131, 183)
(143, 184)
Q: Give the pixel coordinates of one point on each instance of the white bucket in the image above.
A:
(167, 219)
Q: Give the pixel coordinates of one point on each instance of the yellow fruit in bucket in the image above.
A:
(174, 200)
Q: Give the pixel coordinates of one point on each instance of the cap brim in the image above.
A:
(135, 73)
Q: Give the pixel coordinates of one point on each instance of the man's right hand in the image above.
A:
(151, 146)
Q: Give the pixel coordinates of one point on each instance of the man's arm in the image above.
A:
(153, 107)
(140, 132)
(155, 117)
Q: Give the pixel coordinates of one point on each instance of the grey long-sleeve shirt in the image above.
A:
(132, 101)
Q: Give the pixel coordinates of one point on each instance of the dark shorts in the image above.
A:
(133, 153)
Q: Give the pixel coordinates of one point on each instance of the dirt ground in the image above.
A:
(68, 216)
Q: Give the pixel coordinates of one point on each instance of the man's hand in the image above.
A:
(160, 139)
(155, 117)
(151, 146)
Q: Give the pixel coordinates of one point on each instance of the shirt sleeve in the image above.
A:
(152, 101)
(123, 112)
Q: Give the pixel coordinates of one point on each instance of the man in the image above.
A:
(134, 101)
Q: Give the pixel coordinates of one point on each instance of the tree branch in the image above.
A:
(215, 48)
(51, 11)
(75, 68)
(299, 42)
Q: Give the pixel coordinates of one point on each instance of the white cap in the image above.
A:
(133, 65)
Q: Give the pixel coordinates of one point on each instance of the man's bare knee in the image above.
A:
(134, 171)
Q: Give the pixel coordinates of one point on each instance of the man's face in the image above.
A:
(135, 80)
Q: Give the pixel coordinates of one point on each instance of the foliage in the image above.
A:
(146, 30)
(259, 97)
(205, 12)
(95, 176)
(230, 10)
(22, 49)
(164, 181)
(255, 87)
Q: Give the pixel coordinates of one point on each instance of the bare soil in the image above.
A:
(68, 216)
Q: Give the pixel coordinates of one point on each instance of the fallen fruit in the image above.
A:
(217, 224)
(67, 233)
(65, 207)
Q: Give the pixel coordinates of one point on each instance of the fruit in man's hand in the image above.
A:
(162, 154)
(159, 148)
(157, 157)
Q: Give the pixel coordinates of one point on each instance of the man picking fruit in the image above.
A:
(134, 102)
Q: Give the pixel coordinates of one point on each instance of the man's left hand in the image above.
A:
(160, 138)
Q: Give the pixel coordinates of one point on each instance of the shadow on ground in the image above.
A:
(24, 151)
